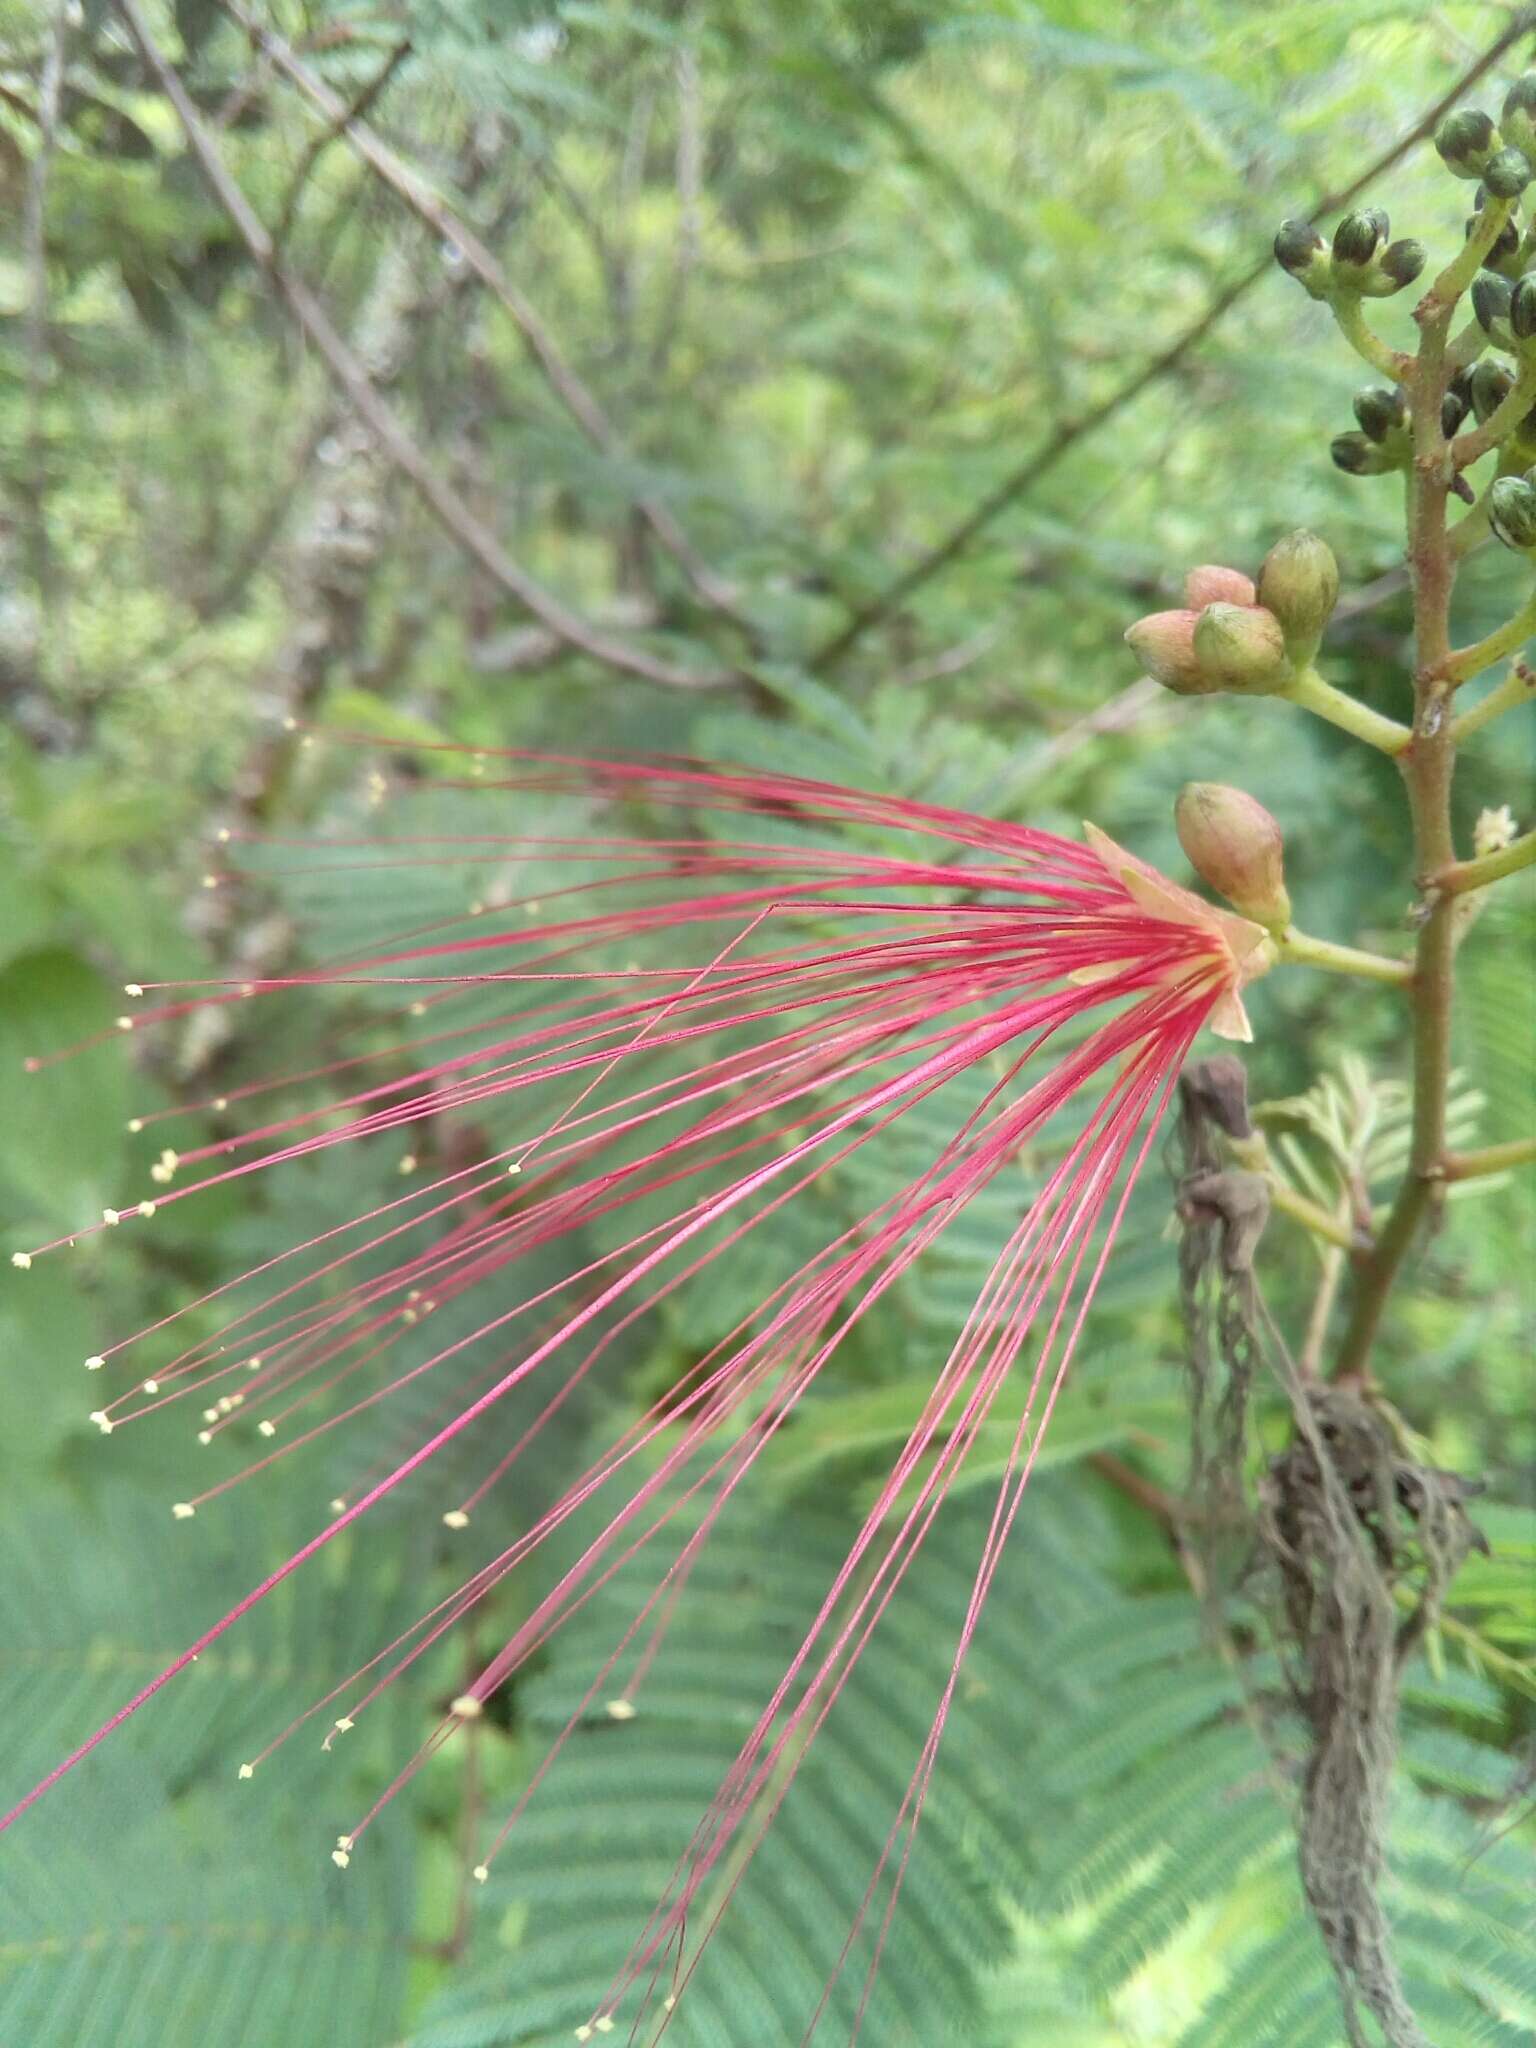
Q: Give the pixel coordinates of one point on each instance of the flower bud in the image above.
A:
(1301, 251)
(1164, 642)
(1243, 647)
(1506, 174)
(1512, 513)
(1299, 583)
(1235, 847)
(1517, 122)
(1466, 142)
(1522, 309)
(1381, 410)
(1490, 384)
(1490, 306)
(1358, 236)
(1211, 584)
(1397, 265)
(1357, 456)
(1456, 404)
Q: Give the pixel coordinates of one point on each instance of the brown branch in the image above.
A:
(49, 586)
(445, 503)
(578, 400)
(1048, 453)
(332, 132)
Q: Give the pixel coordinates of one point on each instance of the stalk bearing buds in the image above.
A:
(1235, 847)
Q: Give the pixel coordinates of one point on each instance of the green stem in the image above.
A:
(1457, 877)
(1490, 1159)
(1301, 950)
(1518, 687)
(1334, 1230)
(1467, 662)
(1390, 362)
(1456, 277)
(1313, 694)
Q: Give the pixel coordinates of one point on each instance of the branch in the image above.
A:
(51, 596)
(443, 501)
(578, 400)
(320, 143)
(1049, 452)
(1490, 1159)
(1518, 687)
(1462, 875)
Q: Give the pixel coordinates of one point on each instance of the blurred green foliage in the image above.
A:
(834, 269)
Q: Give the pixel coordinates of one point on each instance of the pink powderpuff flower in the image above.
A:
(715, 1020)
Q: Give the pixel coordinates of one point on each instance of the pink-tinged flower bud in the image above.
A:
(1211, 584)
(1234, 845)
(1242, 647)
(1165, 644)
(1299, 583)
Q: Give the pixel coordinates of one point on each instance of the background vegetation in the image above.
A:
(813, 289)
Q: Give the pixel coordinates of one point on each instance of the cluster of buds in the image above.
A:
(1234, 635)
(1383, 441)
(1362, 260)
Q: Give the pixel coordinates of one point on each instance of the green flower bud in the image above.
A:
(1491, 383)
(1357, 456)
(1243, 647)
(1490, 306)
(1456, 404)
(1299, 584)
(1517, 122)
(1504, 256)
(1235, 847)
(1522, 309)
(1358, 236)
(1381, 410)
(1165, 644)
(1512, 513)
(1506, 174)
(1301, 251)
(1397, 265)
(1466, 141)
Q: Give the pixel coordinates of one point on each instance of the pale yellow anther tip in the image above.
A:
(338, 1506)
(267, 1428)
(290, 725)
(417, 1010)
(340, 1858)
(210, 1415)
(146, 1210)
(516, 1166)
(605, 2024)
(135, 1125)
(205, 1437)
(583, 2033)
(669, 2001)
(224, 835)
(133, 988)
(343, 1724)
(466, 1707)
(622, 1710)
(246, 1771)
(95, 1362)
(150, 1386)
(456, 1518)
(110, 1216)
(481, 1873)
(183, 1510)
(125, 1023)
(221, 1102)
(102, 1420)
(210, 881)
(408, 1163)
(21, 1261)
